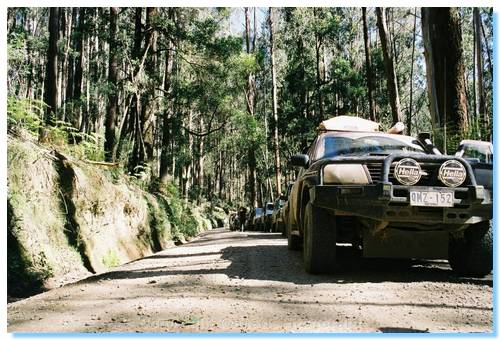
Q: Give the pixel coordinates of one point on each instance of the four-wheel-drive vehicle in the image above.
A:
(391, 195)
(276, 218)
(267, 216)
(280, 218)
(252, 222)
(476, 151)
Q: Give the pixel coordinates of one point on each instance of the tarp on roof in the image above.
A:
(348, 123)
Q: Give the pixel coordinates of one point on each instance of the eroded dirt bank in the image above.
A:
(67, 219)
(249, 282)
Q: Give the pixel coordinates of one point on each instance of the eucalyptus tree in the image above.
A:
(445, 70)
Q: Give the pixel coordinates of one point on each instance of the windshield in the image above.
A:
(332, 146)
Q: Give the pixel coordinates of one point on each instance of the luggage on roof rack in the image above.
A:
(348, 123)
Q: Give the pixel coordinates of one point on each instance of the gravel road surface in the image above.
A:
(249, 282)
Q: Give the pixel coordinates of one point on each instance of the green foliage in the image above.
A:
(179, 211)
(24, 114)
(82, 145)
(92, 146)
(244, 63)
(478, 130)
(142, 175)
(188, 226)
(110, 259)
(159, 220)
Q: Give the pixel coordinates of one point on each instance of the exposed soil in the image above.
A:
(249, 282)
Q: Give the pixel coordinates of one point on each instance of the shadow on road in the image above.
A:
(401, 330)
(277, 263)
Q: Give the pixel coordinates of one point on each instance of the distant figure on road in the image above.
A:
(242, 214)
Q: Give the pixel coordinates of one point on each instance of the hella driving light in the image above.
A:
(345, 174)
(452, 173)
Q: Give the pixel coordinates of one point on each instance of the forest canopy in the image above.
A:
(216, 100)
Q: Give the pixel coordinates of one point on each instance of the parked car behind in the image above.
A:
(267, 216)
(253, 220)
(276, 218)
(475, 149)
(480, 155)
(284, 209)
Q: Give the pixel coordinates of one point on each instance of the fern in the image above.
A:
(24, 114)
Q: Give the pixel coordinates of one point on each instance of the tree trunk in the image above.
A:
(319, 95)
(11, 19)
(166, 134)
(111, 112)
(135, 124)
(29, 57)
(369, 76)
(77, 92)
(488, 53)
(201, 165)
(50, 95)
(221, 174)
(445, 68)
(392, 82)
(62, 65)
(71, 59)
(189, 167)
(481, 109)
(410, 108)
(136, 55)
(67, 67)
(84, 126)
(148, 104)
(275, 104)
(250, 94)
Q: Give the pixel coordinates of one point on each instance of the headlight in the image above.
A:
(452, 173)
(345, 174)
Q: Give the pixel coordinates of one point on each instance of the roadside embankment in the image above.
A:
(67, 219)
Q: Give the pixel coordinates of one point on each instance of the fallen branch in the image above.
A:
(206, 133)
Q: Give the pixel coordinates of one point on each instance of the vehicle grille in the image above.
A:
(375, 170)
(429, 179)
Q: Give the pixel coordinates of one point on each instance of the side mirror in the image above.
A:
(301, 160)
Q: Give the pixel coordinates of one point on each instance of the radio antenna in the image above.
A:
(444, 108)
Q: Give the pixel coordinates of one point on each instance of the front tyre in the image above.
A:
(320, 235)
(472, 255)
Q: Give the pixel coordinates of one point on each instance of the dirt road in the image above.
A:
(249, 282)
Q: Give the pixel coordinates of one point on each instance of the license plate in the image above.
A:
(425, 198)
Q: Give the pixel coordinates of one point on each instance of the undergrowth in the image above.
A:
(25, 115)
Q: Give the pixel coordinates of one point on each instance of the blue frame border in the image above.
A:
(494, 334)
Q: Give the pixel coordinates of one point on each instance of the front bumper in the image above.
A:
(391, 203)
